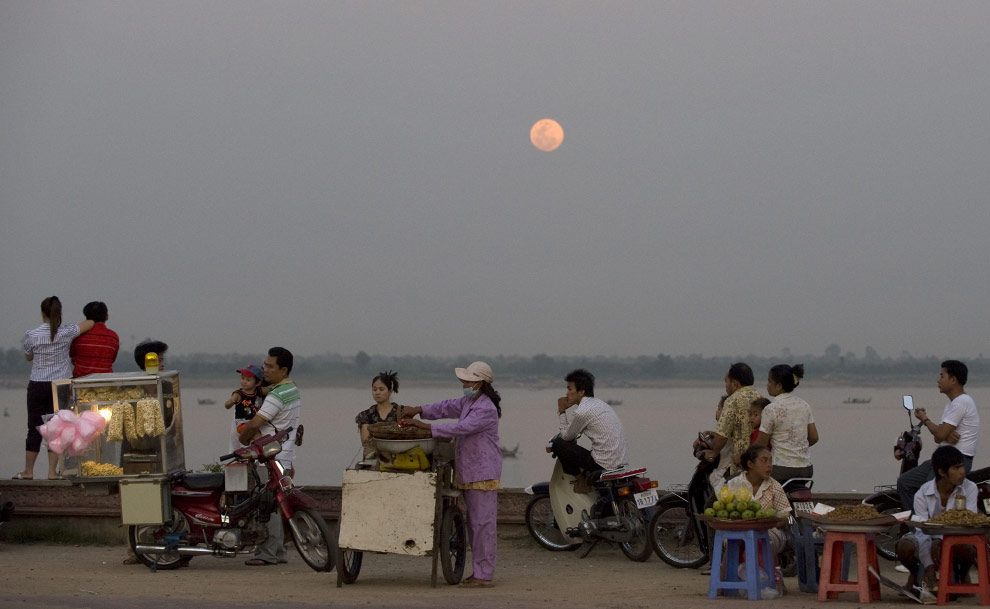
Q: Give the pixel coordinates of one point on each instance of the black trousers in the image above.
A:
(574, 458)
(39, 402)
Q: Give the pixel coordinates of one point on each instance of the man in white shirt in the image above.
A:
(949, 489)
(280, 410)
(959, 427)
(579, 413)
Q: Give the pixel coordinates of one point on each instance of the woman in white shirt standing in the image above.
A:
(47, 348)
(788, 425)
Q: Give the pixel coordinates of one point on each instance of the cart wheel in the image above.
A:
(453, 545)
(348, 564)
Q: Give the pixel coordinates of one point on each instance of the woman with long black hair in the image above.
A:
(787, 425)
(47, 348)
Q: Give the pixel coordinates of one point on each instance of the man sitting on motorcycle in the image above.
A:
(580, 412)
(949, 489)
(734, 427)
(959, 427)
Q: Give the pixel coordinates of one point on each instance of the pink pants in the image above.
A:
(482, 511)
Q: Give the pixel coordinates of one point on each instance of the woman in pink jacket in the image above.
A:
(478, 456)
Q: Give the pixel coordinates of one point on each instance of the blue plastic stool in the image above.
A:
(753, 543)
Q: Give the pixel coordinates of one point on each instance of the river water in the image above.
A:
(855, 451)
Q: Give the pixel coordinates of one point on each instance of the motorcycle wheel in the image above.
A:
(887, 540)
(453, 544)
(314, 543)
(153, 534)
(638, 548)
(543, 526)
(674, 538)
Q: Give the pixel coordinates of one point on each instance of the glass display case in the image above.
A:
(143, 432)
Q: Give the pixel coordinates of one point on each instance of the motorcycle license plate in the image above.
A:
(804, 506)
(986, 506)
(646, 498)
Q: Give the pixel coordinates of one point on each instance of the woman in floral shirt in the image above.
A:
(788, 425)
(384, 409)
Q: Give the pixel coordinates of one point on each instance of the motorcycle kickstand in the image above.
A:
(588, 547)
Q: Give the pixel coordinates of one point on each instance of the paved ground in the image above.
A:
(92, 577)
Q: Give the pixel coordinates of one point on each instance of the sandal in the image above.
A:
(257, 562)
(21, 476)
(471, 582)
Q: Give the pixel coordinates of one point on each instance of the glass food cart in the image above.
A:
(143, 435)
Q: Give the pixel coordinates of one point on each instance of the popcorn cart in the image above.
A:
(408, 505)
(143, 431)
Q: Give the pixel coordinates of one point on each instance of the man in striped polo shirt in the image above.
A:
(280, 410)
(96, 350)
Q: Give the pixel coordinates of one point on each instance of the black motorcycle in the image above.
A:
(885, 498)
(681, 540)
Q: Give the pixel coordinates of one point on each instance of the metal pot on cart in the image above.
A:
(407, 504)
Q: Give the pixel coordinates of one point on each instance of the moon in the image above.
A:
(546, 134)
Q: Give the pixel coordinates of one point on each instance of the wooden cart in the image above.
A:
(413, 514)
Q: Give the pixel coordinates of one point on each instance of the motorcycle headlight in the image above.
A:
(271, 449)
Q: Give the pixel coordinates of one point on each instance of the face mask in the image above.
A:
(470, 393)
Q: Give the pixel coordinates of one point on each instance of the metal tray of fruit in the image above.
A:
(766, 522)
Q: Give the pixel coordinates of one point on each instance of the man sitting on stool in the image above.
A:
(933, 498)
(593, 418)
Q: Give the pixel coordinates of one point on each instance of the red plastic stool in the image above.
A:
(945, 583)
(832, 582)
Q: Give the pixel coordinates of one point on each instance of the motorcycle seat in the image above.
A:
(203, 481)
(621, 472)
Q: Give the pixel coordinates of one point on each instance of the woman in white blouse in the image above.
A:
(788, 425)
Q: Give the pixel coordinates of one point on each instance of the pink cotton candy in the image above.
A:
(67, 416)
(95, 419)
(54, 427)
(55, 445)
(78, 446)
(85, 429)
(67, 434)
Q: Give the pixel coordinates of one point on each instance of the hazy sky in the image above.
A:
(736, 177)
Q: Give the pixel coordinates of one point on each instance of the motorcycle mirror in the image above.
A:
(908, 402)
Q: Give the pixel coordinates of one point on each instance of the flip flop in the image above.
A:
(257, 562)
(21, 476)
(477, 583)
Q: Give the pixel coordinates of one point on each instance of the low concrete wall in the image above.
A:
(78, 513)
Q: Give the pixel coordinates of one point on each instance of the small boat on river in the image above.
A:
(509, 454)
(614, 402)
(205, 401)
(856, 400)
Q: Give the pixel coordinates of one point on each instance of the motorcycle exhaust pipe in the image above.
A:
(183, 550)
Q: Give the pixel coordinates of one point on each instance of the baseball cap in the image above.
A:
(252, 370)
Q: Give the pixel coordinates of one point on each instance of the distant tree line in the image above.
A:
(832, 366)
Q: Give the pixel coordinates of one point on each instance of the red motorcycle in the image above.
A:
(208, 520)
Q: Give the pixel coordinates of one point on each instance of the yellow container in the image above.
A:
(151, 363)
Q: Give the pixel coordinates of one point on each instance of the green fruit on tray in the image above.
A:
(710, 512)
(734, 515)
(748, 514)
(722, 514)
(770, 512)
(718, 505)
(755, 505)
(732, 506)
